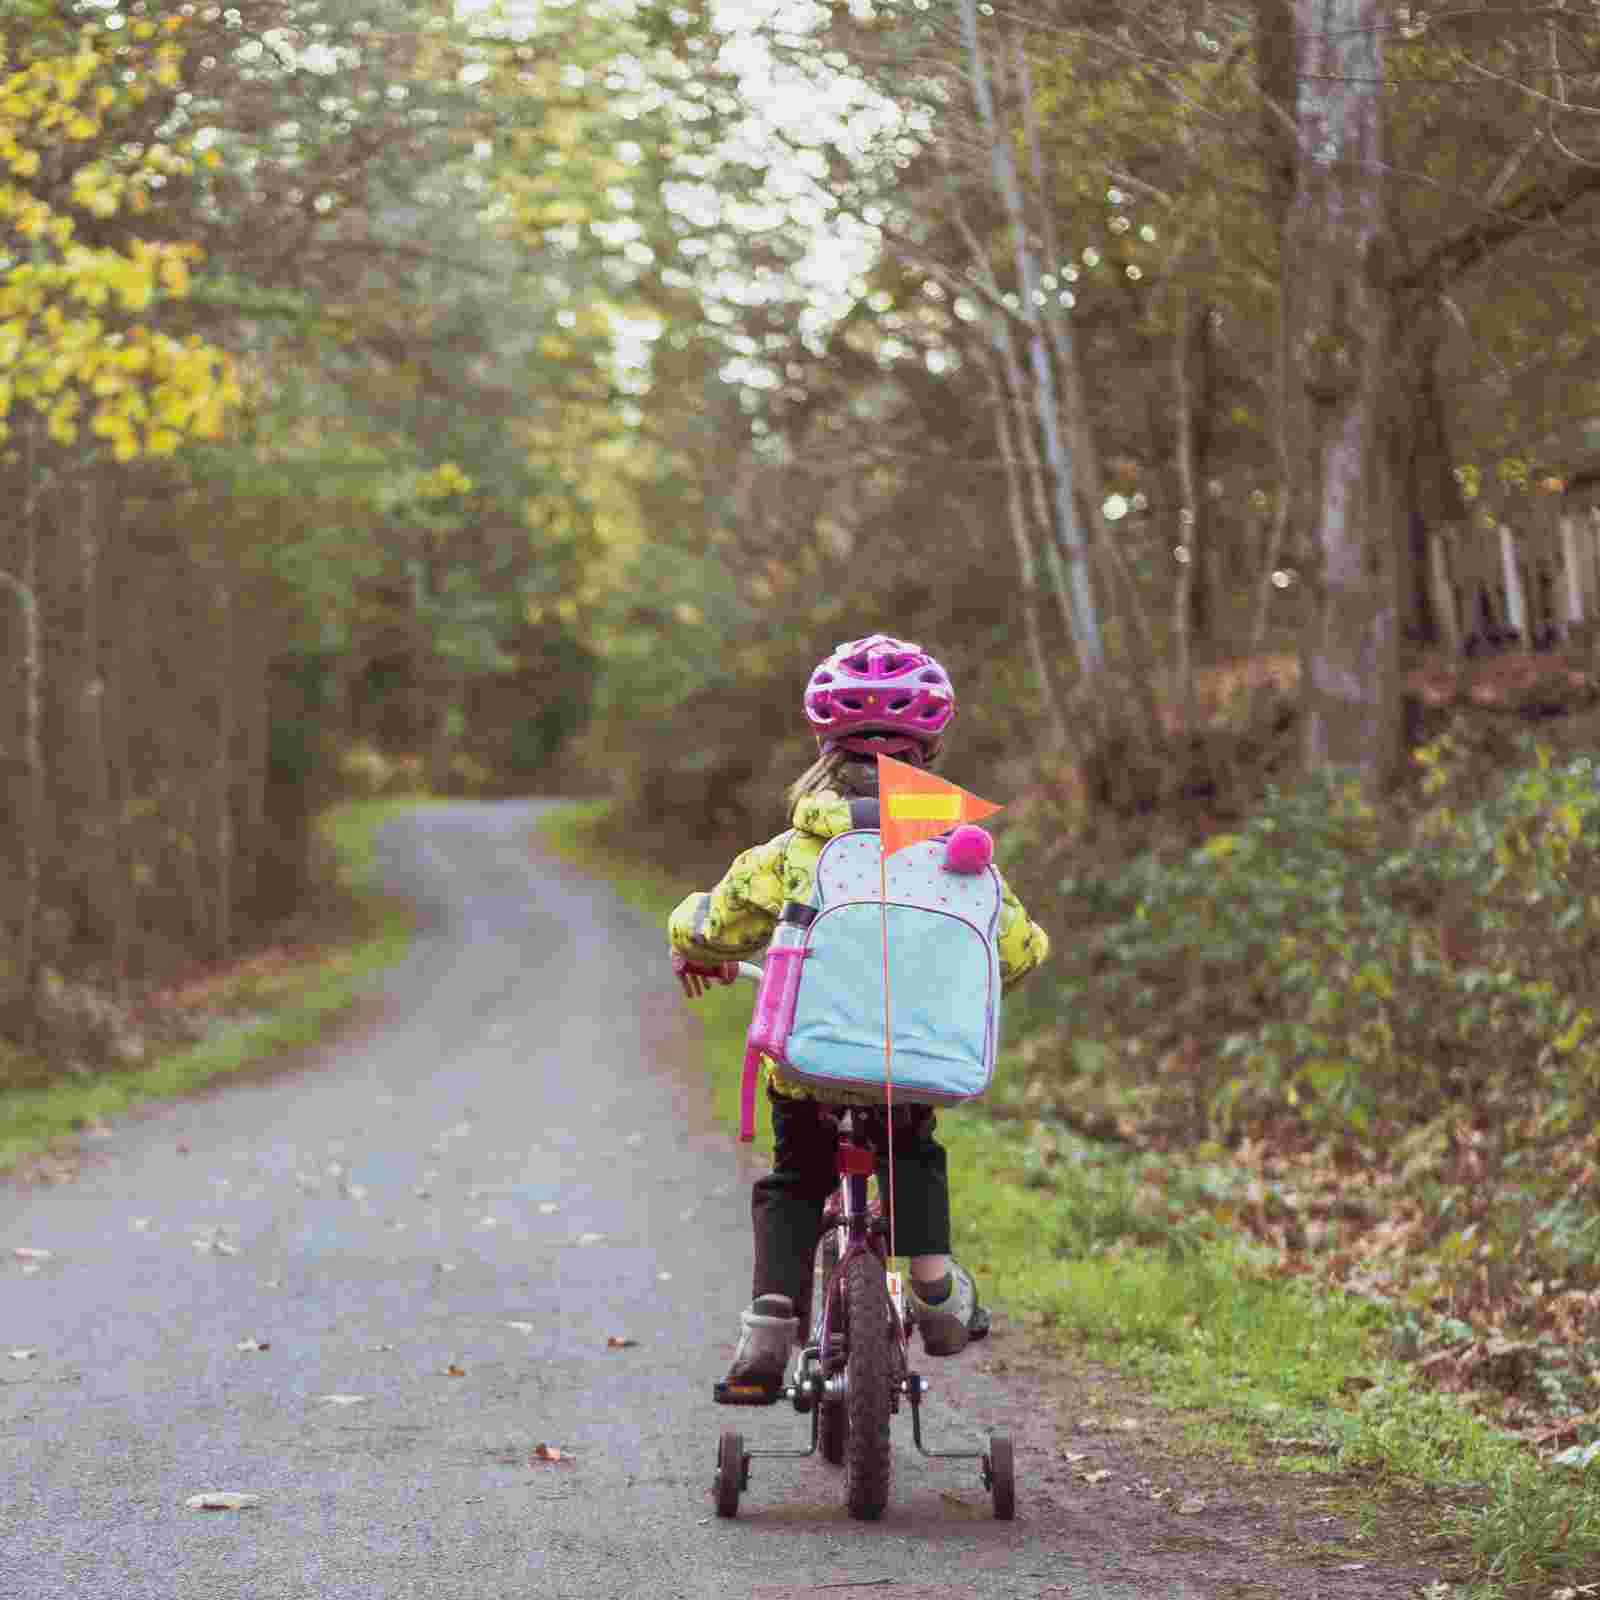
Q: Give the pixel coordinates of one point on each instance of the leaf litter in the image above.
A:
(222, 1500)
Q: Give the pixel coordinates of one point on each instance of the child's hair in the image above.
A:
(844, 772)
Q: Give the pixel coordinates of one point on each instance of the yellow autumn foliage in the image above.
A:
(68, 350)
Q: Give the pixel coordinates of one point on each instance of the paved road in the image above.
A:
(434, 1230)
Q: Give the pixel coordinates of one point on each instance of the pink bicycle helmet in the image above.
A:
(880, 696)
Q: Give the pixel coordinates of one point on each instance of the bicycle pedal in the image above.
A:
(746, 1394)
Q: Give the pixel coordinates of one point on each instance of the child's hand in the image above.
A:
(695, 980)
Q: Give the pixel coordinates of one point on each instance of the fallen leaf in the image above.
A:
(252, 1344)
(222, 1500)
(1129, 1424)
(342, 1399)
(1099, 1476)
(549, 1452)
(453, 1371)
(620, 1341)
(1192, 1506)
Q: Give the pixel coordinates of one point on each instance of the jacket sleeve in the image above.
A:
(737, 917)
(1022, 943)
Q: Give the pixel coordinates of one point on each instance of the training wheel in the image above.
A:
(731, 1473)
(1000, 1476)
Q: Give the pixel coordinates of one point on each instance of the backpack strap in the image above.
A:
(864, 812)
(747, 1094)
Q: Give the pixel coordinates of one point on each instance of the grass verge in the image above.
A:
(1063, 1234)
(288, 1004)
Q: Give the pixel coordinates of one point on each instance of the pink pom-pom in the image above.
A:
(968, 849)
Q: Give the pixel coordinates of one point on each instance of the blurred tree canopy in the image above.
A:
(508, 395)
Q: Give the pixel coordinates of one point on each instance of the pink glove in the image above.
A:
(696, 979)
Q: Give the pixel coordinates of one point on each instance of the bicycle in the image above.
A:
(854, 1369)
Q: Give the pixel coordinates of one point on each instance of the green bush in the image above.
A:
(1350, 968)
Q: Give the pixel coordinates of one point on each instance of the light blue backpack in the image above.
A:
(820, 1010)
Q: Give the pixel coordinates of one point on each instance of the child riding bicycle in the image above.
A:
(873, 696)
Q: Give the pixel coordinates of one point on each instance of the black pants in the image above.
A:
(786, 1205)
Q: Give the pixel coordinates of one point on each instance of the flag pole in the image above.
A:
(888, 1048)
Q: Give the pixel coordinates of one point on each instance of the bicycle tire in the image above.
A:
(833, 1420)
(729, 1480)
(869, 1373)
(1002, 1476)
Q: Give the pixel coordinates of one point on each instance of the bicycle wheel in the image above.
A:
(1002, 1477)
(833, 1421)
(730, 1473)
(869, 1373)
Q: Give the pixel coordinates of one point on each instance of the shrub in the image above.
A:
(1350, 968)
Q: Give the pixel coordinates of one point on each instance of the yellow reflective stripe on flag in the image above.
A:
(925, 807)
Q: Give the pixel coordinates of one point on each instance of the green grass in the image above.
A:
(303, 1002)
(1062, 1236)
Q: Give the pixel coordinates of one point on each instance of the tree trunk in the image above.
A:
(1027, 569)
(1189, 508)
(1026, 438)
(1065, 525)
(1444, 596)
(1511, 578)
(23, 587)
(222, 774)
(1431, 498)
(94, 866)
(1572, 569)
(1338, 324)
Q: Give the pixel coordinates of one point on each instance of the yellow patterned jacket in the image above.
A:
(736, 919)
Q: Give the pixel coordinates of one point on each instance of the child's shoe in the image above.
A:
(953, 1317)
(769, 1328)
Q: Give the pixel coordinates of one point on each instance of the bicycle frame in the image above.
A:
(851, 1211)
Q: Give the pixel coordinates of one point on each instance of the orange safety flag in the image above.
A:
(913, 805)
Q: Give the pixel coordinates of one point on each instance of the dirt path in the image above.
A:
(366, 1290)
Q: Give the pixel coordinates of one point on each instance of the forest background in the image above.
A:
(405, 396)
